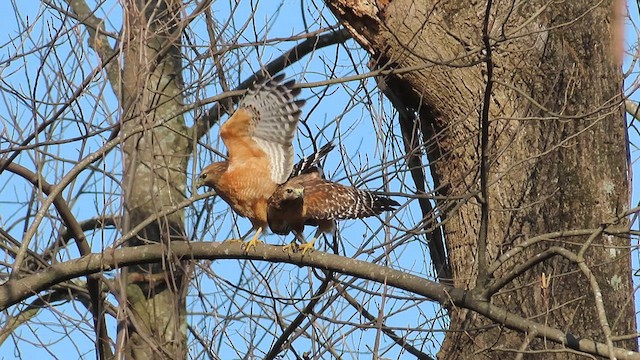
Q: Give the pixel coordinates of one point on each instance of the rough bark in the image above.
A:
(556, 157)
(155, 168)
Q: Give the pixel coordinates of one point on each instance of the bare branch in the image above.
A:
(308, 309)
(99, 42)
(17, 290)
(212, 116)
(93, 281)
(369, 316)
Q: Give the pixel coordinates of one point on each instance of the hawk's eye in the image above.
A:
(203, 176)
(289, 191)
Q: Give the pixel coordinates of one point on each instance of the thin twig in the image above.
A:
(369, 316)
(308, 309)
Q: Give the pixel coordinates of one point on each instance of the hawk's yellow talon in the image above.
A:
(308, 246)
(254, 241)
(291, 248)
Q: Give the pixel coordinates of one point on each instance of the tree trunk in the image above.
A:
(556, 157)
(155, 168)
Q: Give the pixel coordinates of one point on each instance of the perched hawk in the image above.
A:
(258, 137)
(308, 199)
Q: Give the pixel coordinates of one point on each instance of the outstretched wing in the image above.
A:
(327, 200)
(265, 124)
(310, 163)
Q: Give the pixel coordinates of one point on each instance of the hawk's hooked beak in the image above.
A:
(298, 193)
(199, 182)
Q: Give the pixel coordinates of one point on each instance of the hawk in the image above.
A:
(309, 199)
(258, 137)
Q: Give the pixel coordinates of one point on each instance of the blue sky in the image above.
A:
(333, 116)
(329, 119)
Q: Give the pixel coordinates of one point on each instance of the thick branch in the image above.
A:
(15, 291)
(413, 158)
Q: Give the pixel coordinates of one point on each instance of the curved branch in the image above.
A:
(16, 290)
(99, 222)
(74, 228)
(612, 229)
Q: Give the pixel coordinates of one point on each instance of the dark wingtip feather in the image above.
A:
(280, 230)
(382, 204)
(310, 163)
(325, 149)
(264, 78)
(289, 86)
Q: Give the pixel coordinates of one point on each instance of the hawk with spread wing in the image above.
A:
(258, 137)
(309, 199)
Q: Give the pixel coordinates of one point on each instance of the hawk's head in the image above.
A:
(211, 174)
(290, 192)
(288, 195)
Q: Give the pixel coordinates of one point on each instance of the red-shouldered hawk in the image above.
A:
(258, 137)
(308, 199)
(305, 165)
